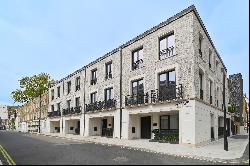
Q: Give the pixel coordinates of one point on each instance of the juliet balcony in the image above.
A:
(72, 111)
(54, 114)
(101, 105)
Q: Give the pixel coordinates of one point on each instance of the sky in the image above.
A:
(61, 36)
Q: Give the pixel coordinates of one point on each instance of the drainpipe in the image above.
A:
(84, 100)
(120, 49)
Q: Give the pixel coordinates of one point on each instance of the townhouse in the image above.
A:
(170, 79)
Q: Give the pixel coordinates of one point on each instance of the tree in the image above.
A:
(232, 108)
(31, 88)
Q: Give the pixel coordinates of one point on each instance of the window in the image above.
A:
(167, 46)
(108, 70)
(167, 85)
(52, 94)
(69, 86)
(58, 91)
(78, 83)
(78, 102)
(201, 85)
(93, 97)
(68, 104)
(210, 91)
(164, 122)
(58, 107)
(52, 108)
(210, 58)
(137, 59)
(200, 45)
(138, 88)
(109, 95)
(93, 77)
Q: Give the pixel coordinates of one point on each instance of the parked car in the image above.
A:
(2, 127)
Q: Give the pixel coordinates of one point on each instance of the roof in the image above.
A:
(155, 28)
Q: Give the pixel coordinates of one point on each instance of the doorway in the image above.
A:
(146, 127)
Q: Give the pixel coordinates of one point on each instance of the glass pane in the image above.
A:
(172, 77)
(164, 122)
(163, 44)
(171, 41)
(111, 93)
(141, 54)
(141, 87)
(135, 56)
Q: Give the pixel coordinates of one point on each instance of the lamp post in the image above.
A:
(225, 114)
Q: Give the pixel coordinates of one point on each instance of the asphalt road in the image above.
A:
(28, 149)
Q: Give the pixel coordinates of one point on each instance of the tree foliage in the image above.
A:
(32, 87)
(232, 108)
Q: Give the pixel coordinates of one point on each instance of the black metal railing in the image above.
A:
(72, 110)
(108, 75)
(201, 94)
(107, 132)
(137, 64)
(111, 103)
(94, 81)
(54, 113)
(77, 87)
(137, 99)
(167, 53)
(170, 92)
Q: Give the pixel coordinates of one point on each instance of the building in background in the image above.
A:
(236, 99)
(245, 114)
(12, 117)
(3, 116)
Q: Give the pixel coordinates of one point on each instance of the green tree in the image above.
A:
(31, 88)
(232, 108)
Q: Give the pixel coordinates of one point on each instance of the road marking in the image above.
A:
(7, 156)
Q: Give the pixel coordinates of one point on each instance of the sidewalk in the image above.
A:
(213, 151)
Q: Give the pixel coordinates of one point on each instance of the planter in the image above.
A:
(174, 142)
(153, 140)
(163, 141)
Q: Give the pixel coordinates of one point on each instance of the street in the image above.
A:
(32, 149)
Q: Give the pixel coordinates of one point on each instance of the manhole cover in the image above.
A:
(121, 159)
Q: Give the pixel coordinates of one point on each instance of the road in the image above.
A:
(29, 149)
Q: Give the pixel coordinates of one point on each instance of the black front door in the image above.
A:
(146, 127)
(104, 126)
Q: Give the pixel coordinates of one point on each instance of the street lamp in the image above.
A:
(225, 114)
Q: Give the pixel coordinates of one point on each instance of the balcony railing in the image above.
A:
(72, 110)
(94, 81)
(170, 92)
(101, 105)
(137, 64)
(54, 114)
(137, 99)
(167, 53)
(201, 94)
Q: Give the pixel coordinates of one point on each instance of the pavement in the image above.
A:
(32, 149)
(213, 151)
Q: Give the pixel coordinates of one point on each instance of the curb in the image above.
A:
(212, 160)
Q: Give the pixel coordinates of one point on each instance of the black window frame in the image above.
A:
(52, 94)
(209, 58)
(200, 44)
(136, 64)
(68, 87)
(93, 76)
(78, 83)
(159, 45)
(68, 104)
(59, 108)
(77, 100)
(138, 81)
(58, 92)
(111, 90)
(91, 97)
(168, 122)
(108, 66)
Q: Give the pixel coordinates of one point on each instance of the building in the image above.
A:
(12, 117)
(170, 78)
(245, 112)
(3, 115)
(29, 114)
(236, 99)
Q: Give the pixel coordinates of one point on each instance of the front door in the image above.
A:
(146, 127)
(104, 126)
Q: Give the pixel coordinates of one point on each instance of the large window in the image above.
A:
(167, 46)
(78, 83)
(138, 88)
(167, 85)
(58, 91)
(108, 70)
(93, 77)
(169, 122)
(109, 95)
(137, 59)
(52, 94)
(77, 101)
(68, 104)
(52, 108)
(69, 86)
(200, 45)
(210, 91)
(93, 97)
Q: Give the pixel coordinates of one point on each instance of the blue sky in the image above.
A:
(59, 36)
